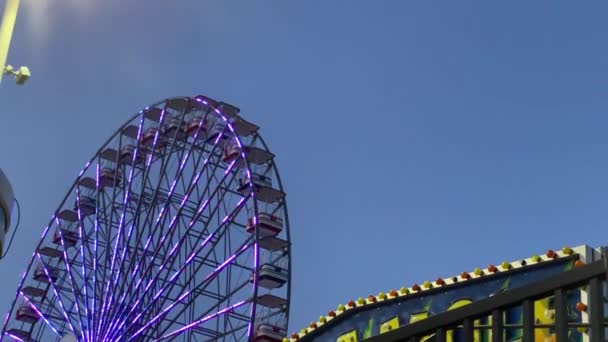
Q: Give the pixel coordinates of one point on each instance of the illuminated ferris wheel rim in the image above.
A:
(229, 114)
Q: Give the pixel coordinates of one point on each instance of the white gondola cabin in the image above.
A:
(219, 128)
(110, 177)
(32, 292)
(272, 301)
(27, 314)
(86, 204)
(21, 334)
(230, 152)
(268, 333)
(127, 152)
(70, 237)
(229, 111)
(148, 138)
(176, 127)
(40, 274)
(262, 185)
(267, 224)
(256, 179)
(193, 127)
(271, 276)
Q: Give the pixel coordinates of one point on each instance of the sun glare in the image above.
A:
(41, 15)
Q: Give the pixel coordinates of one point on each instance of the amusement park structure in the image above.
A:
(176, 229)
(557, 296)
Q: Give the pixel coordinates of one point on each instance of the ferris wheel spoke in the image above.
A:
(164, 162)
(205, 282)
(174, 221)
(170, 194)
(172, 282)
(105, 247)
(216, 306)
(95, 255)
(83, 266)
(170, 258)
(191, 257)
(21, 284)
(207, 279)
(73, 286)
(195, 181)
(127, 244)
(39, 312)
(105, 301)
(203, 320)
(56, 292)
(233, 331)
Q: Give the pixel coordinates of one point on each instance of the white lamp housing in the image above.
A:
(7, 198)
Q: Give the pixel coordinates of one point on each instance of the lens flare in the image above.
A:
(42, 16)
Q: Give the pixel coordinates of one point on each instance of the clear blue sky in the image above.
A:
(415, 139)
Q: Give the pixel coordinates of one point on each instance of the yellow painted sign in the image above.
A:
(350, 336)
(389, 325)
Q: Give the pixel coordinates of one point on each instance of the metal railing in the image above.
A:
(493, 309)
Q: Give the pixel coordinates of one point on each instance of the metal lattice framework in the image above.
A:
(176, 229)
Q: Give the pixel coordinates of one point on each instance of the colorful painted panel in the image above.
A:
(373, 321)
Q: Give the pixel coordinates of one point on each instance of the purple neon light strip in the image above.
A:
(126, 195)
(13, 337)
(184, 295)
(105, 294)
(157, 295)
(160, 214)
(184, 161)
(84, 169)
(255, 280)
(104, 299)
(84, 275)
(252, 193)
(210, 276)
(172, 223)
(172, 189)
(48, 276)
(134, 157)
(33, 306)
(239, 144)
(95, 243)
(67, 265)
(123, 322)
(188, 261)
(24, 275)
(221, 302)
(205, 319)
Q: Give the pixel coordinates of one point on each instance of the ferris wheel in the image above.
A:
(176, 229)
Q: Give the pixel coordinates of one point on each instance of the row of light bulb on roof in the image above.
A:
(427, 285)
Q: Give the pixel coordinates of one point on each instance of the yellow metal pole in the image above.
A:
(6, 31)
